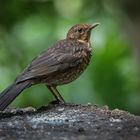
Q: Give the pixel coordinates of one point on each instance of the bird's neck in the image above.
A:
(84, 42)
(87, 43)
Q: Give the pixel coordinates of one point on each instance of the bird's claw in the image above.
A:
(56, 102)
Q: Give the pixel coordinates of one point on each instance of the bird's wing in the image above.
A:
(53, 61)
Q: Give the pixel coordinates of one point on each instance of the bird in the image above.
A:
(60, 64)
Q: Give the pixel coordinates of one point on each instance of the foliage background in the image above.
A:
(27, 27)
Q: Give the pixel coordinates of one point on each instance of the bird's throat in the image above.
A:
(84, 42)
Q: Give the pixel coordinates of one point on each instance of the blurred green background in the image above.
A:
(27, 27)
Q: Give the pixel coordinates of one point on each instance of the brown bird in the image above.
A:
(60, 64)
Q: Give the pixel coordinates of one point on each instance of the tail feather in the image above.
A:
(10, 93)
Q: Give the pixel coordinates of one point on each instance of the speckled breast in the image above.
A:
(74, 72)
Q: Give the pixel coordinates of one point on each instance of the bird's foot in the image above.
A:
(57, 102)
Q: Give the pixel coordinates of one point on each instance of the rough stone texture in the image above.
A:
(69, 122)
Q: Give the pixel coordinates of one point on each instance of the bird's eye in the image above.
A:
(80, 30)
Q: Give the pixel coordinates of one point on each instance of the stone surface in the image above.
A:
(69, 122)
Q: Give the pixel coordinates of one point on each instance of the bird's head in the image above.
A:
(81, 32)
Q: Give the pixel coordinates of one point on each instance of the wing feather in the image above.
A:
(54, 60)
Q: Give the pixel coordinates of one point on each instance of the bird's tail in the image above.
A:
(10, 93)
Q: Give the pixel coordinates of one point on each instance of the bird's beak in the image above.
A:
(94, 25)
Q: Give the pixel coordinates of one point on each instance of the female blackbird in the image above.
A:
(60, 64)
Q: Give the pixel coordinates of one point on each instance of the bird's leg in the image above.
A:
(56, 94)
